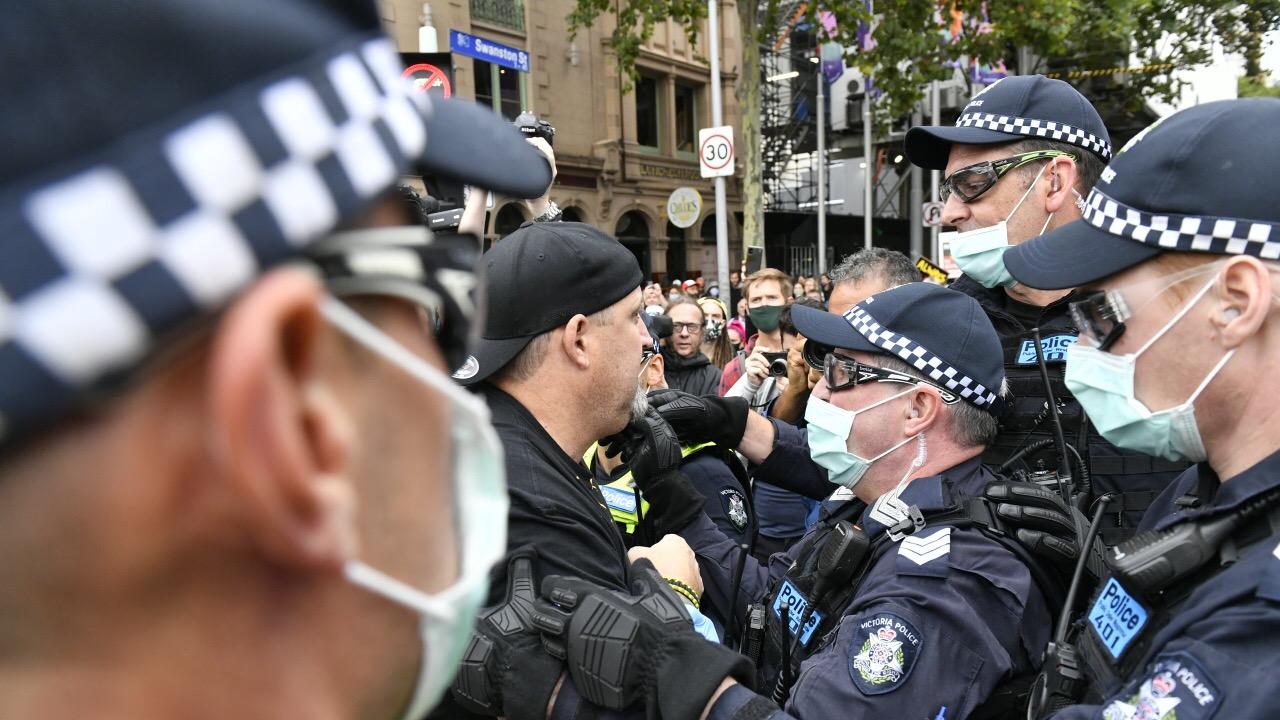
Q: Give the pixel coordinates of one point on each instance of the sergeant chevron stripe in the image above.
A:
(921, 550)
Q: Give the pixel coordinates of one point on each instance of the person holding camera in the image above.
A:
(767, 292)
(687, 368)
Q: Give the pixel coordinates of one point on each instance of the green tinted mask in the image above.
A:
(765, 317)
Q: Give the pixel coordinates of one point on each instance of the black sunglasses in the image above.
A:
(842, 372)
(969, 183)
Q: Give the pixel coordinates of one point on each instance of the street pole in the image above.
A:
(822, 170)
(934, 179)
(717, 119)
(867, 199)
(917, 199)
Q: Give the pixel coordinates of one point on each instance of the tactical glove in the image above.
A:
(625, 648)
(1043, 524)
(652, 452)
(702, 419)
(506, 670)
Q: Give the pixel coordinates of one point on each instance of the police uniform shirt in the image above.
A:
(939, 621)
(1217, 655)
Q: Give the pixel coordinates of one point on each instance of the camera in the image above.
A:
(777, 363)
(529, 124)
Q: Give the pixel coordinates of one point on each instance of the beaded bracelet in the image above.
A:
(685, 591)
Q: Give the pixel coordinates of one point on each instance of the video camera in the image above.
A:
(529, 124)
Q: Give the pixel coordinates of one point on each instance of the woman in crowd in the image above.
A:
(715, 339)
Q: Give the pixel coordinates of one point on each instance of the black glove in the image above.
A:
(506, 670)
(1043, 524)
(702, 419)
(652, 452)
(625, 648)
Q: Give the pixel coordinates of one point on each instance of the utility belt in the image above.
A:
(1152, 576)
(800, 616)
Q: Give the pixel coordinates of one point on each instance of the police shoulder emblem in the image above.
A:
(1175, 688)
(883, 651)
(735, 508)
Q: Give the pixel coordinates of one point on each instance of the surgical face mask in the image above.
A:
(765, 317)
(714, 329)
(479, 496)
(829, 430)
(1103, 384)
(980, 253)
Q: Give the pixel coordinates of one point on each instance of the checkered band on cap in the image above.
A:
(170, 222)
(1220, 235)
(1046, 129)
(916, 355)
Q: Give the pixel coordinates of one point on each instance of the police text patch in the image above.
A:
(1054, 348)
(788, 594)
(1175, 688)
(882, 652)
(619, 499)
(1116, 617)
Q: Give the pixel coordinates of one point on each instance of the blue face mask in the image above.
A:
(1102, 383)
(829, 431)
(980, 253)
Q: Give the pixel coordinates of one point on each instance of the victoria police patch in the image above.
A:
(883, 651)
(735, 508)
(1175, 688)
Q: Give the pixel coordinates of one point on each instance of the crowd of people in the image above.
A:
(270, 447)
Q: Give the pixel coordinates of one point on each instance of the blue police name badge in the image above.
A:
(788, 594)
(1116, 617)
(1175, 688)
(1054, 348)
(883, 651)
(619, 500)
(735, 508)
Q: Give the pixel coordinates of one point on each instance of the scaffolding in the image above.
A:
(788, 122)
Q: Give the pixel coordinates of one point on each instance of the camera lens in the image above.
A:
(778, 367)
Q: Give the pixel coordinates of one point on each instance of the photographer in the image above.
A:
(539, 134)
(766, 293)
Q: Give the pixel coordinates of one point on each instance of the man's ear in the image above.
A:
(282, 440)
(1244, 292)
(924, 410)
(1060, 182)
(574, 342)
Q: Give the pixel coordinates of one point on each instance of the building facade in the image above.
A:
(620, 151)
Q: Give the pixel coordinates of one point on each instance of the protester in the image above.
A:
(766, 293)
(691, 289)
(865, 273)
(715, 341)
(687, 368)
(652, 298)
(205, 457)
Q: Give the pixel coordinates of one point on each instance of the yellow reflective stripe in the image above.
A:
(624, 484)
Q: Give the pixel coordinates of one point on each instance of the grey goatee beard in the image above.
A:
(639, 404)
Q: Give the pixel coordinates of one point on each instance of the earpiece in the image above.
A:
(1230, 314)
(1053, 183)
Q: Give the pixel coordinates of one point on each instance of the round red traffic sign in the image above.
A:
(428, 77)
(716, 151)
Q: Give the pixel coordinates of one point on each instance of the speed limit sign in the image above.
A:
(715, 151)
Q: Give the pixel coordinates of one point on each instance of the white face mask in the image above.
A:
(829, 430)
(479, 512)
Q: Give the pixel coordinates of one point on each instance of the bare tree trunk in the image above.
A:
(749, 102)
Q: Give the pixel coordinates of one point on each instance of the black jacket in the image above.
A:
(556, 506)
(695, 375)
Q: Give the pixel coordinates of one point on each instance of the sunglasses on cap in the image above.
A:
(969, 183)
(1100, 316)
(843, 372)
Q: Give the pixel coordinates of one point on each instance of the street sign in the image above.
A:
(684, 205)
(932, 214)
(429, 72)
(931, 271)
(488, 50)
(715, 151)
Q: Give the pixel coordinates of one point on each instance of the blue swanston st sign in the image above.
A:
(488, 50)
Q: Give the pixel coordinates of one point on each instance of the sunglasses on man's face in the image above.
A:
(969, 183)
(842, 372)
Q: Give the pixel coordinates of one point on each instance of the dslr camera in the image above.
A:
(529, 125)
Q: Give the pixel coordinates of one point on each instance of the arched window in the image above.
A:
(573, 214)
(632, 231)
(510, 218)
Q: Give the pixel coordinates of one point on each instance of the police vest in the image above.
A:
(821, 615)
(1026, 421)
(1126, 613)
(621, 495)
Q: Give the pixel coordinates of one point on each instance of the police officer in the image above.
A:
(1019, 158)
(205, 457)
(901, 601)
(1176, 255)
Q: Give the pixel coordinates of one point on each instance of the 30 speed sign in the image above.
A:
(715, 151)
